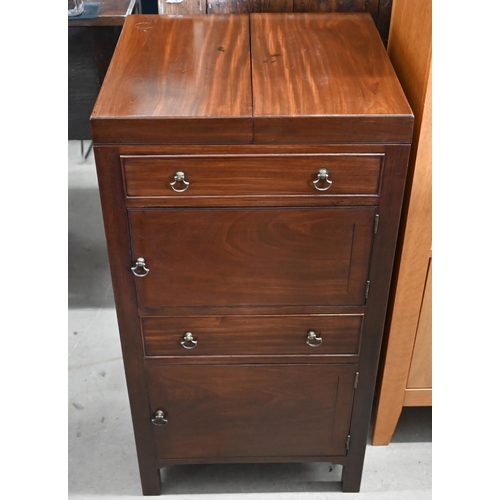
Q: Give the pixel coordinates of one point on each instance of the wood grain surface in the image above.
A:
(322, 64)
(420, 376)
(259, 175)
(199, 67)
(252, 335)
(379, 9)
(252, 257)
(246, 411)
(330, 70)
(418, 397)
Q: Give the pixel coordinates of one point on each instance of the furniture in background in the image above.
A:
(380, 10)
(91, 43)
(406, 369)
(251, 172)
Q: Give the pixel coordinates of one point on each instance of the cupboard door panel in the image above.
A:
(252, 411)
(259, 257)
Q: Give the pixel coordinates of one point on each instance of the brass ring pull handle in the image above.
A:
(322, 176)
(140, 263)
(188, 338)
(179, 177)
(159, 418)
(312, 339)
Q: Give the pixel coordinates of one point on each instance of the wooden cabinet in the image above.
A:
(251, 171)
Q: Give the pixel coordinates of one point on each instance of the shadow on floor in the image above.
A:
(414, 426)
(251, 478)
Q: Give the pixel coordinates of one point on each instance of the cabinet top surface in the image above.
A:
(322, 64)
(249, 67)
(179, 67)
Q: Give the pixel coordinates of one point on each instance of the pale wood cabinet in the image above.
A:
(405, 374)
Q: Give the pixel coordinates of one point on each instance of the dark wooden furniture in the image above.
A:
(380, 10)
(91, 43)
(251, 171)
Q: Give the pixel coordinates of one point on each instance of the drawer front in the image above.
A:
(252, 257)
(247, 175)
(252, 335)
(251, 411)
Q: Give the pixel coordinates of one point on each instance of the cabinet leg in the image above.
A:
(351, 477)
(151, 482)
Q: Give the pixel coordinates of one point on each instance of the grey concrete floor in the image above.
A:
(102, 459)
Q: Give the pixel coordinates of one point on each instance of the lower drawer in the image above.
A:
(251, 335)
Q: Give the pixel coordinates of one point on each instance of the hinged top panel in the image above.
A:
(322, 64)
(325, 77)
(192, 71)
(262, 78)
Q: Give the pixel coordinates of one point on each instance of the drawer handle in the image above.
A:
(188, 338)
(322, 176)
(312, 339)
(159, 418)
(179, 177)
(140, 263)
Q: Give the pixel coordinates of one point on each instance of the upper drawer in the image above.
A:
(252, 175)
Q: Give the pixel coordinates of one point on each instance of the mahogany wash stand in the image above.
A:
(251, 171)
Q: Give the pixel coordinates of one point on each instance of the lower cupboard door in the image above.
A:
(251, 410)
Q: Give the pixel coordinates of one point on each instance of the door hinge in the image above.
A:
(356, 379)
(367, 289)
(375, 225)
(348, 442)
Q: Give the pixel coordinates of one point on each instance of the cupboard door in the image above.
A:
(252, 410)
(252, 257)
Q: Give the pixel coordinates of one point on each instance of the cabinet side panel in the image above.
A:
(115, 225)
(420, 375)
(380, 278)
